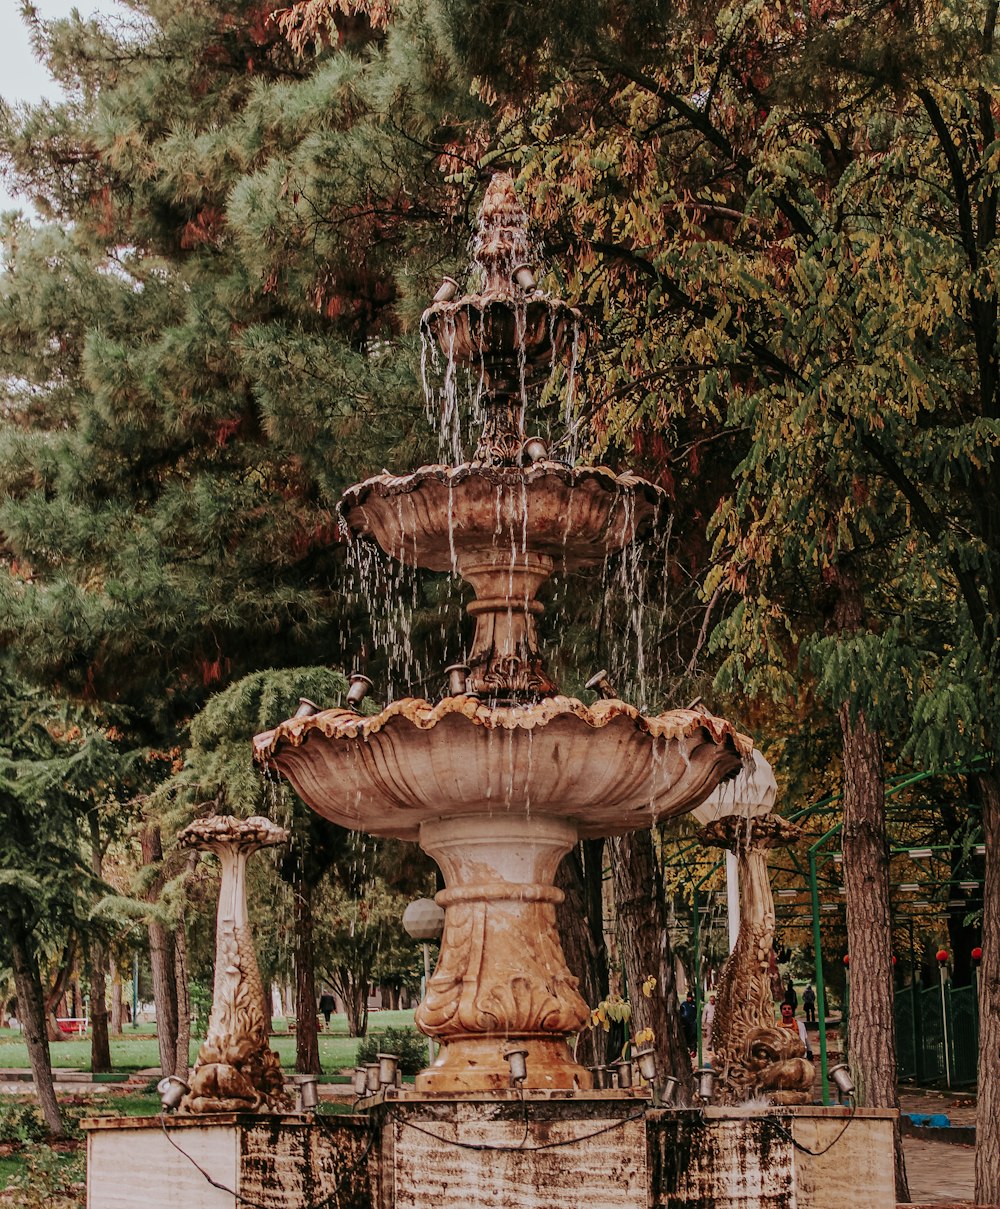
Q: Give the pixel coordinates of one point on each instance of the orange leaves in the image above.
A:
(313, 534)
(211, 671)
(309, 25)
(205, 229)
(226, 429)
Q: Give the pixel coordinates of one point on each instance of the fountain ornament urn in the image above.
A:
(498, 782)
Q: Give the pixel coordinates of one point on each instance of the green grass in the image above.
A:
(43, 1177)
(8, 1168)
(336, 1049)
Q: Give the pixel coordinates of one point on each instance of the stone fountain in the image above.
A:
(497, 780)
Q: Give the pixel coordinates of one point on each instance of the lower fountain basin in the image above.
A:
(602, 1149)
(607, 767)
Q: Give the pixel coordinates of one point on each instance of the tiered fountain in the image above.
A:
(499, 780)
(496, 781)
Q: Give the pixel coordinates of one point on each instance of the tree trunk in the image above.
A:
(100, 1043)
(306, 1032)
(645, 948)
(354, 993)
(161, 959)
(31, 1013)
(182, 1049)
(866, 884)
(586, 963)
(988, 1101)
(116, 999)
(57, 993)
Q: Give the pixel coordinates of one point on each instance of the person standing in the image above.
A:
(327, 1003)
(791, 996)
(707, 1020)
(809, 1005)
(789, 1022)
(689, 1021)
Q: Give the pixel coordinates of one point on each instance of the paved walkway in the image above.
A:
(939, 1172)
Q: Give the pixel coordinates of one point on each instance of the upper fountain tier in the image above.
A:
(508, 518)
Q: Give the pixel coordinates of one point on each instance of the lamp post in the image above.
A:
(942, 960)
(977, 957)
(423, 920)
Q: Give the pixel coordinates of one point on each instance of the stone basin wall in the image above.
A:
(605, 1151)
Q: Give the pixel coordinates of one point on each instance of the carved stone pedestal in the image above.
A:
(236, 1068)
(501, 981)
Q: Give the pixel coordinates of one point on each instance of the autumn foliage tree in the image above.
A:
(792, 210)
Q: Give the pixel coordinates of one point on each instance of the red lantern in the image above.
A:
(942, 956)
(847, 959)
(977, 954)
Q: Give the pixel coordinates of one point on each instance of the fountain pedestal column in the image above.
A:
(236, 1068)
(504, 660)
(501, 981)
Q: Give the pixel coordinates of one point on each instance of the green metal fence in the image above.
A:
(937, 1034)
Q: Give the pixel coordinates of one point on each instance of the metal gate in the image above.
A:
(937, 1034)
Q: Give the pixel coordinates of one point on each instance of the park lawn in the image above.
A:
(336, 1050)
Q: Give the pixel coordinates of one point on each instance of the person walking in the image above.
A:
(809, 1005)
(327, 1003)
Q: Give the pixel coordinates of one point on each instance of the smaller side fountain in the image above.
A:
(236, 1069)
(753, 1057)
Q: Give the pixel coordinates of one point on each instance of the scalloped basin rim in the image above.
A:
(347, 725)
(402, 484)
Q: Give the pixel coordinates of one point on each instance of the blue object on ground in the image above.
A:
(933, 1120)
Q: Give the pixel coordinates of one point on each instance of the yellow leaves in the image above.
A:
(645, 1036)
(649, 985)
(614, 1008)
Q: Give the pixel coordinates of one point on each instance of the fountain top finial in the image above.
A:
(501, 244)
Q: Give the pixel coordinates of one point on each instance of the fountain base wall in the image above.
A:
(606, 1149)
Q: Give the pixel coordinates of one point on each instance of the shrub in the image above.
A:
(49, 1180)
(20, 1121)
(410, 1045)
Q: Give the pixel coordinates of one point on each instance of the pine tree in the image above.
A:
(201, 348)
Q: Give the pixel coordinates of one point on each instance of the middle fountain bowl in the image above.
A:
(438, 516)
